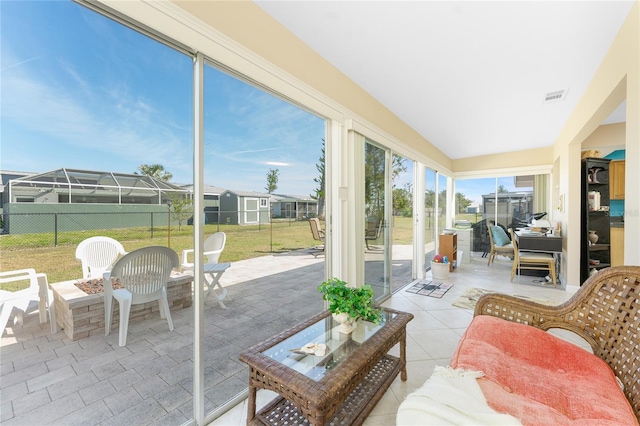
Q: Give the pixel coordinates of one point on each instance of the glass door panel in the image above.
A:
(237, 155)
(377, 271)
(403, 219)
(431, 217)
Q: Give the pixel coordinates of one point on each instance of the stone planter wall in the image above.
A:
(82, 315)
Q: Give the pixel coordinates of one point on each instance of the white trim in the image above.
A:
(372, 132)
(544, 169)
(198, 239)
(246, 210)
(419, 223)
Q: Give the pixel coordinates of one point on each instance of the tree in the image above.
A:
(403, 200)
(156, 171)
(272, 180)
(374, 180)
(319, 192)
(502, 189)
(430, 198)
(397, 167)
(181, 209)
(462, 202)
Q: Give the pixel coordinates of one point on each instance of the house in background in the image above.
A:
(73, 192)
(7, 176)
(73, 200)
(211, 202)
(293, 206)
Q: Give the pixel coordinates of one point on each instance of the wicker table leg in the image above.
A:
(403, 356)
(251, 404)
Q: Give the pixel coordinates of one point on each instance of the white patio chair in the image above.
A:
(144, 274)
(213, 270)
(20, 302)
(97, 254)
(213, 247)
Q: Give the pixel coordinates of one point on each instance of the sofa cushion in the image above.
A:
(539, 378)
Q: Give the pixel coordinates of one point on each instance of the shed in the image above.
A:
(244, 207)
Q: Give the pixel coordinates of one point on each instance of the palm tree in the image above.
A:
(156, 171)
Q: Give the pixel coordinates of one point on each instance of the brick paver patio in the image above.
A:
(50, 379)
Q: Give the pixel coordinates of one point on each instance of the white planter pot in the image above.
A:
(347, 324)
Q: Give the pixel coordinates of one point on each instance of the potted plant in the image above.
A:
(349, 304)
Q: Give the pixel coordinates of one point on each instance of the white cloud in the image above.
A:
(114, 132)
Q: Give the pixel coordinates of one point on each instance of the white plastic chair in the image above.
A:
(97, 255)
(23, 301)
(213, 246)
(144, 274)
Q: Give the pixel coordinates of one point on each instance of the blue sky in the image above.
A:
(81, 91)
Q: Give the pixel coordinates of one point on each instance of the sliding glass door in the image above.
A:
(402, 228)
(376, 219)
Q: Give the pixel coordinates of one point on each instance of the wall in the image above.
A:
(520, 159)
(606, 138)
(617, 79)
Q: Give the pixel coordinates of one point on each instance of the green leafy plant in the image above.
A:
(357, 303)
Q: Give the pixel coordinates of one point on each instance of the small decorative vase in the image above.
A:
(593, 174)
(347, 324)
(593, 237)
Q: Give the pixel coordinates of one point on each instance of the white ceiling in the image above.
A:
(468, 76)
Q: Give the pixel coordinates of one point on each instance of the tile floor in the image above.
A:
(433, 334)
(49, 379)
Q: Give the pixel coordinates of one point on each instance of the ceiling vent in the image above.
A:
(557, 96)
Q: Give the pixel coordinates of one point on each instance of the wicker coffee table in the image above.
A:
(339, 387)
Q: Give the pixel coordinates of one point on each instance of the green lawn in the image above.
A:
(243, 242)
(60, 263)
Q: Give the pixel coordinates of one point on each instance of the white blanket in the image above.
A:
(450, 397)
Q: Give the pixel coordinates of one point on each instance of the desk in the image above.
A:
(212, 274)
(541, 244)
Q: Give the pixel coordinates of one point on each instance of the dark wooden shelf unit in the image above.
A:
(597, 220)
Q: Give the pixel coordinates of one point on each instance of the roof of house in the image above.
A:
(207, 189)
(92, 177)
(289, 198)
(247, 193)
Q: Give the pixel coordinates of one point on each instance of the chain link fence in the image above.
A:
(24, 230)
(47, 241)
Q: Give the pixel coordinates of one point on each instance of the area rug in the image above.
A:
(470, 297)
(430, 288)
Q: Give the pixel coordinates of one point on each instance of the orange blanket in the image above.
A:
(539, 378)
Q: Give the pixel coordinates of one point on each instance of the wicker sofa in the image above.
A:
(541, 379)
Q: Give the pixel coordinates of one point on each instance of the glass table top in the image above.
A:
(324, 331)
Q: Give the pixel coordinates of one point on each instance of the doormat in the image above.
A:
(430, 288)
(470, 297)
